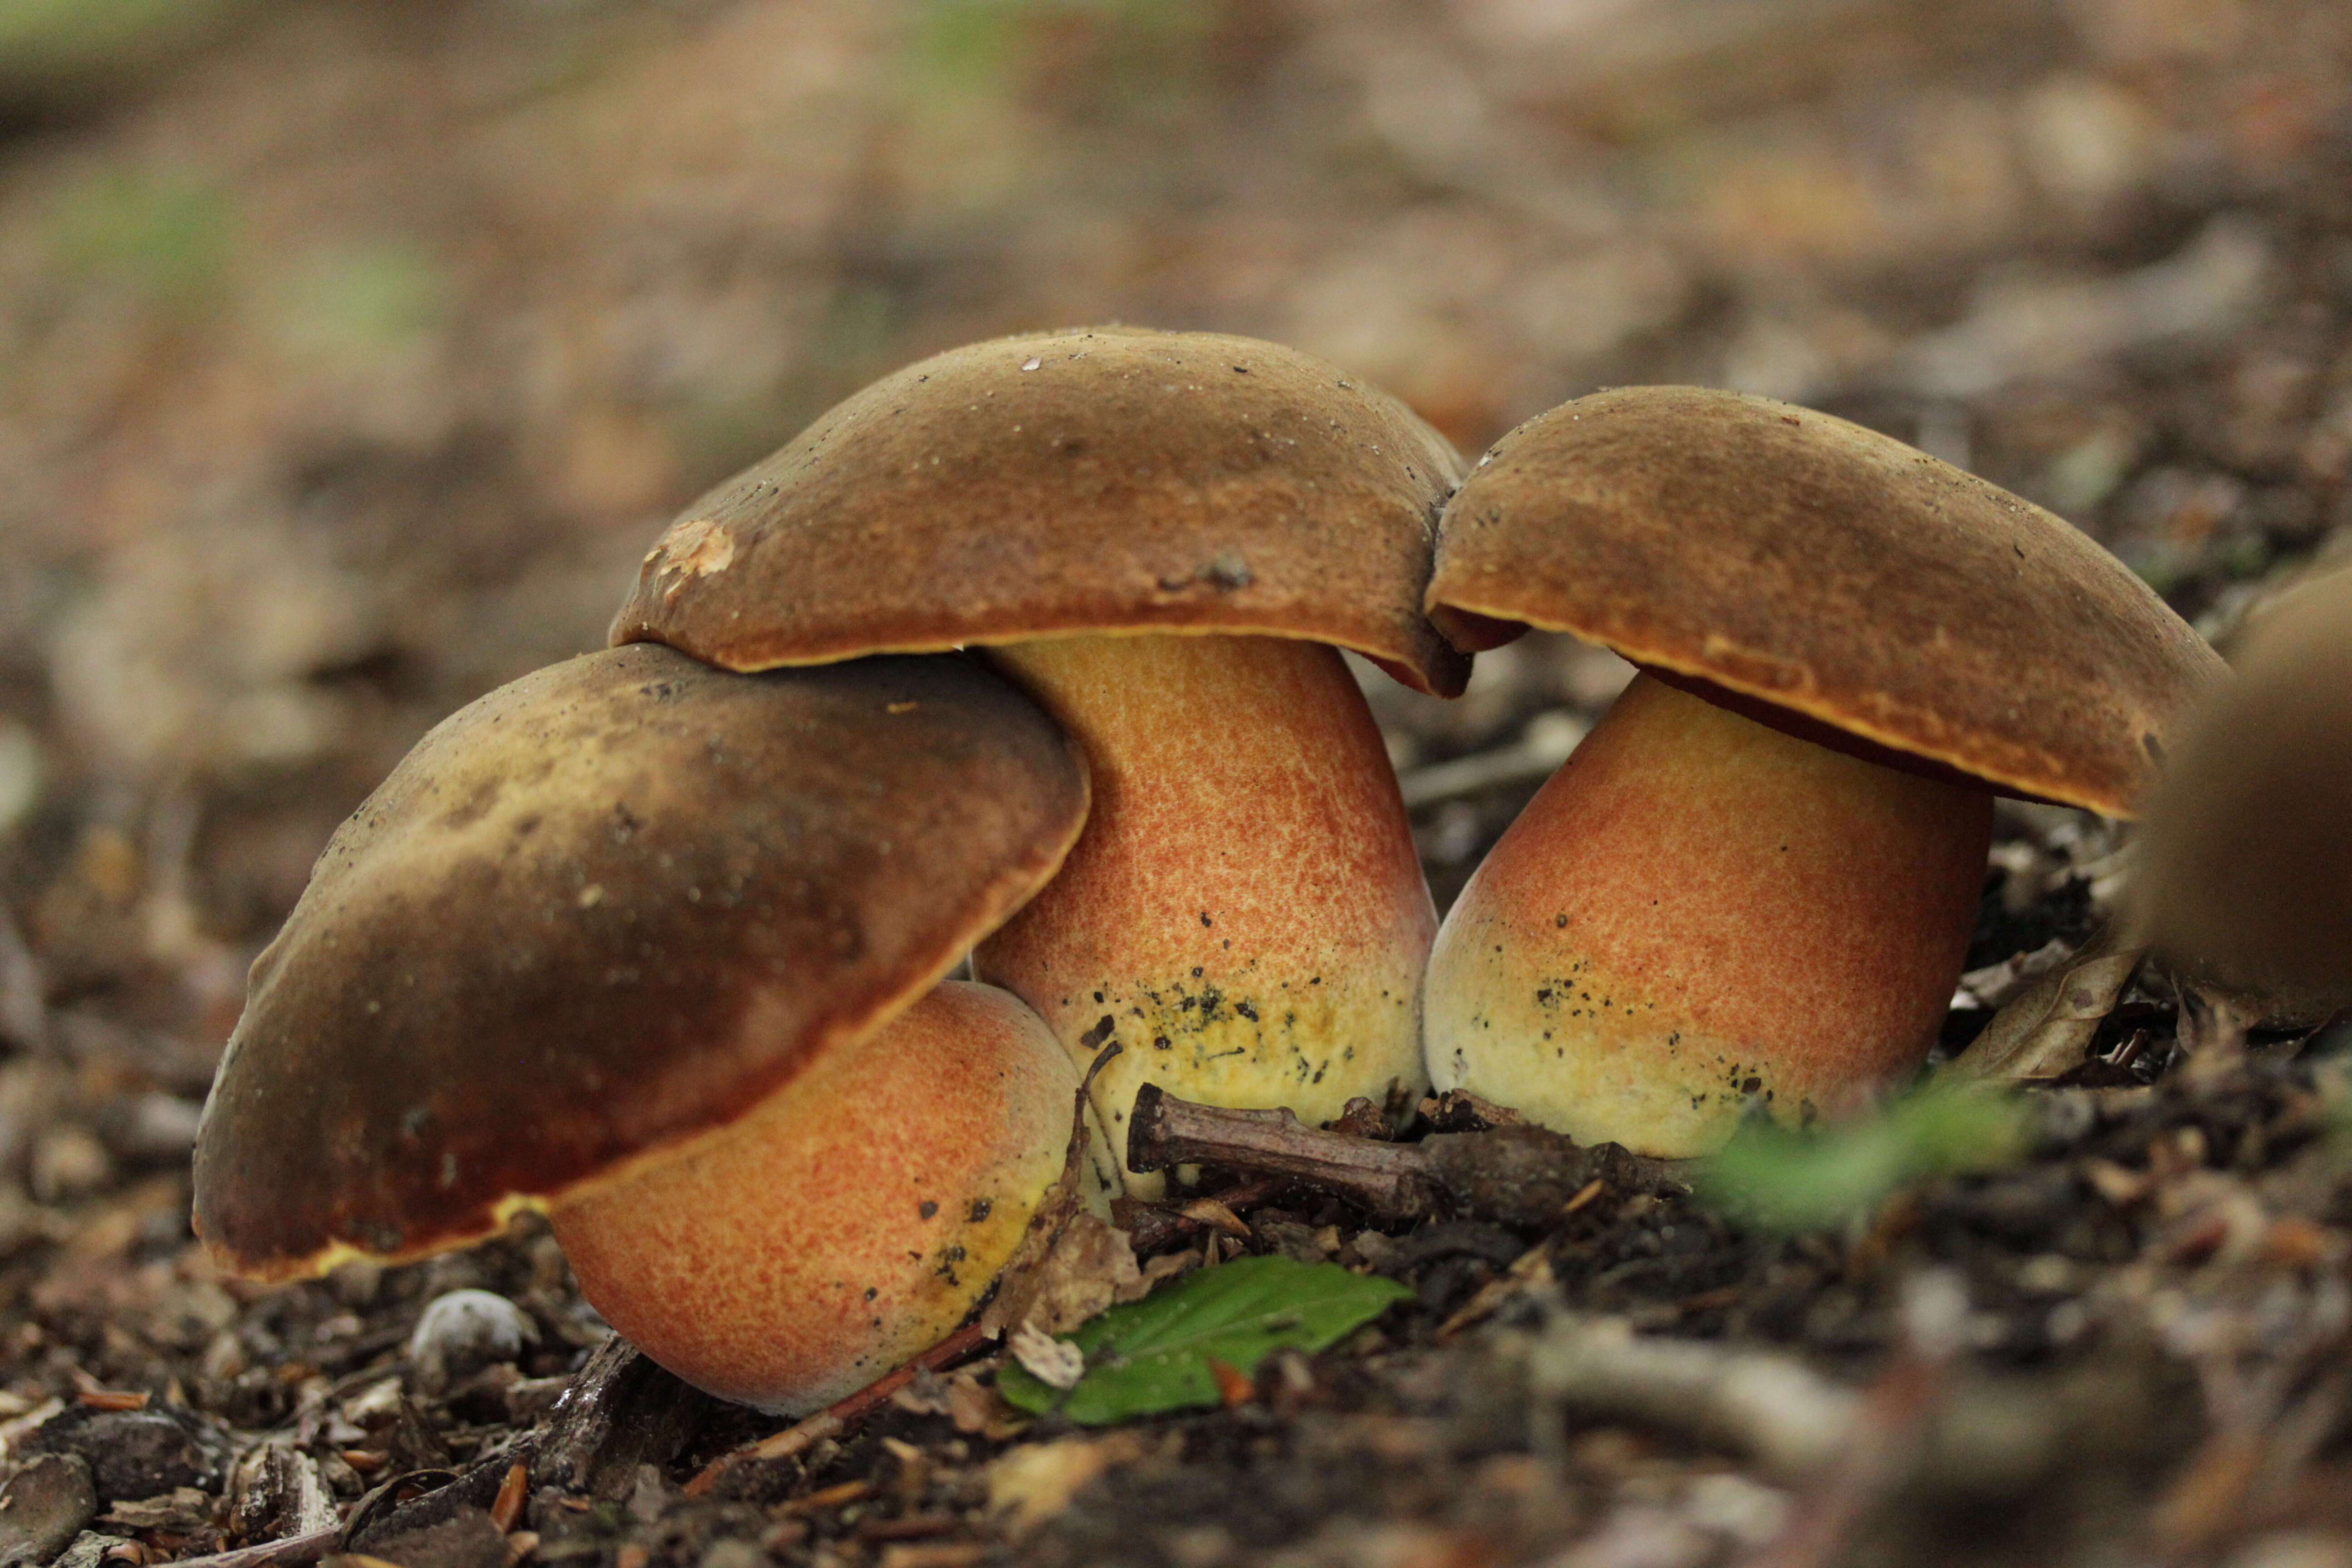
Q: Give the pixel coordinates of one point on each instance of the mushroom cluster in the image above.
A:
(1031, 652)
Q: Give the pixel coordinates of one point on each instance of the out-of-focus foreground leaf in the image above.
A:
(1803, 1181)
(1154, 1356)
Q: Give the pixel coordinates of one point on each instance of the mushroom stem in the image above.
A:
(846, 1222)
(1698, 913)
(1244, 911)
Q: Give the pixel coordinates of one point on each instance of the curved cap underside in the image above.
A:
(1789, 556)
(604, 909)
(1115, 480)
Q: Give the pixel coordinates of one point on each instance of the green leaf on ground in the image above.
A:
(1153, 1355)
(1804, 1181)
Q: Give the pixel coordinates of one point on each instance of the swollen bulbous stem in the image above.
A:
(1698, 913)
(847, 1223)
(1245, 912)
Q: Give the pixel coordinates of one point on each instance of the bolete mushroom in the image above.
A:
(2245, 873)
(1164, 537)
(652, 947)
(1755, 880)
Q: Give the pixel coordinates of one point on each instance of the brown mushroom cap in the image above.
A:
(1062, 483)
(608, 907)
(1831, 572)
(2246, 864)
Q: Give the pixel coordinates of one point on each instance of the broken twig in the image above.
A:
(837, 1416)
(294, 1550)
(1520, 1175)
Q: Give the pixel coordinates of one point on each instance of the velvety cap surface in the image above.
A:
(1070, 482)
(1832, 572)
(2246, 865)
(604, 909)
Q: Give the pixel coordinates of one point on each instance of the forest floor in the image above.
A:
(247, 561)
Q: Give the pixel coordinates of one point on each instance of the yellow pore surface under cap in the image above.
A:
(847, 1223)
(1245, 912)
(1698, 911)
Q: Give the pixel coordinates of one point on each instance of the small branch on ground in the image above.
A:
(1520, 1175)
(290, 1552)
(1794, 1421)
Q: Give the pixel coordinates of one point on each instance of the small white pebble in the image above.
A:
(464, 1330)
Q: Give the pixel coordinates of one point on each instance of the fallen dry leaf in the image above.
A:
(2046, 1028)
(1071, 1260)
(1091, 1265)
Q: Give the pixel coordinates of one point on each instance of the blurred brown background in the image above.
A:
(351, 351)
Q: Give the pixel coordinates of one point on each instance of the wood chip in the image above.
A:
(507, 1507)
(933, 1555)
(825, 1500)
(113, 1398)
(1210, 1212)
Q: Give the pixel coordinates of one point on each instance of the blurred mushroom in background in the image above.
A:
(2245, 876)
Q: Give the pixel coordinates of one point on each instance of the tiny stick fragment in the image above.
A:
(308, 1547)
(834, 1417)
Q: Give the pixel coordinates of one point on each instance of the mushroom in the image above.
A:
(1164, 538)
(2246, 858)
(654, 948)
(1755, 880)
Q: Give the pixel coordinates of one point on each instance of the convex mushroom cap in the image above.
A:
(2246, 860)
(1779, 556)
(609, 916)
(1063, 484)
(1756, 880)
(1163, 537)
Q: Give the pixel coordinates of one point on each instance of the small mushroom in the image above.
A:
(2246, 858)
(1165, 538)
(652, 947)
(1755, 880)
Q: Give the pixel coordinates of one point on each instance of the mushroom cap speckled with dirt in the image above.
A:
(611, 913)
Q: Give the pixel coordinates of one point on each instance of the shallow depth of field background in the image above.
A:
(352, 351)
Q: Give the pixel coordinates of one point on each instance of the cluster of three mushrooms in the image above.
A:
(657, 947)
(1159, 538)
